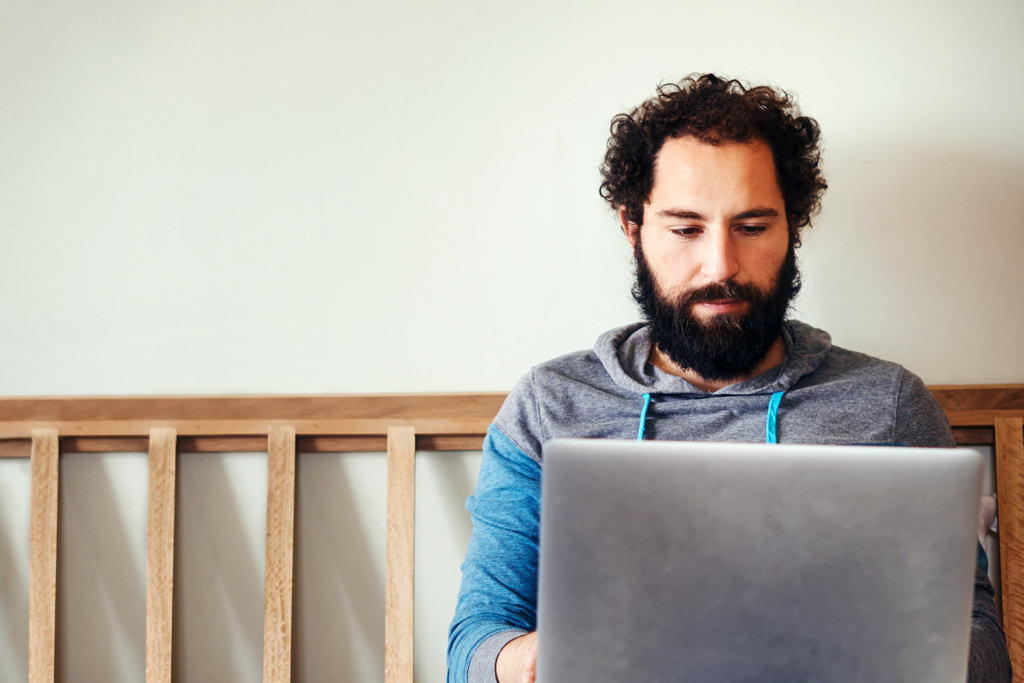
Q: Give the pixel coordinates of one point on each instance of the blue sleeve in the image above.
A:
(498, 598)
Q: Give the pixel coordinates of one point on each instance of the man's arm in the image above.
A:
(989, 660)
(498, 599)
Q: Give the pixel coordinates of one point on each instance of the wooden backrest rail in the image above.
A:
(44, 428)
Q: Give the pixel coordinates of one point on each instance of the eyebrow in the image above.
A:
(757, 213)
(683, 214)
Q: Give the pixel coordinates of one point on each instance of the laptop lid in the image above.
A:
(669, 561)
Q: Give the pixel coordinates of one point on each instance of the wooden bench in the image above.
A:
(44, 428)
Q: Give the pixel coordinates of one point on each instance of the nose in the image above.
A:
(720, 260)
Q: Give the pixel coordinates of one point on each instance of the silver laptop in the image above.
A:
(736, 563)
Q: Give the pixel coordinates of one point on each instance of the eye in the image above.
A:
(686, 230)
(752, 229)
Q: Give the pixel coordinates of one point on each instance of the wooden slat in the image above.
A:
(1009, 449)
(424, 442)
(42, 589)
(979, 396)
(341, 444)
(160, 554)
(977, 418)
(104, 444)
(278, 409)
(398, 583)
(21, 448)
(16, 448)
(391, 407)
(222, 444)
(365, 427)
(448, 442)
(973, 436)
(277, 605)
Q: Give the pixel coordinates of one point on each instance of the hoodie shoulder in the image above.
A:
(575, 395)
(559, 381)
(855, 366)
(858, 398)
(861, 379)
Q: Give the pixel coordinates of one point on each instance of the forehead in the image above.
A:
(731, 174)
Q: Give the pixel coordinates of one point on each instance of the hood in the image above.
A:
(624, 352)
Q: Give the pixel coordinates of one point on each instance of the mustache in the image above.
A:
(717, 291)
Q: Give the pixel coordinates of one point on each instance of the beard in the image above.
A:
(726, 346)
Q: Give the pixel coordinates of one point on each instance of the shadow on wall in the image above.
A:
(932, 240)
(338, 622)
(218, 567)
(101, 571)
(14, 488)
(455, 485)
(340, 542)
(219, 555)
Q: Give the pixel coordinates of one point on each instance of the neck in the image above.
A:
(776, 354)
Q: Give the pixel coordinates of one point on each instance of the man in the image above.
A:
(712, 182)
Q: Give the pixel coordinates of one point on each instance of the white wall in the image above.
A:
(306, 197)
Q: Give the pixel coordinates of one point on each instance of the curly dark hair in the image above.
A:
(715, 111)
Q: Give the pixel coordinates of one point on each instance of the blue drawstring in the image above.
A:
(771, 435)
(773, 417)
(643, 418)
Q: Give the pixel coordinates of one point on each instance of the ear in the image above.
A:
(631, 230)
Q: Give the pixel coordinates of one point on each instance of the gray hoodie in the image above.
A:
(832, 396)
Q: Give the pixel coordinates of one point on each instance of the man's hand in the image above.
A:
(986, 515)
(517, 661)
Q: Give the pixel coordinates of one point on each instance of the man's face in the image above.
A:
(715, 271)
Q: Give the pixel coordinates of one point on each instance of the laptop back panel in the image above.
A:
(706, 562)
